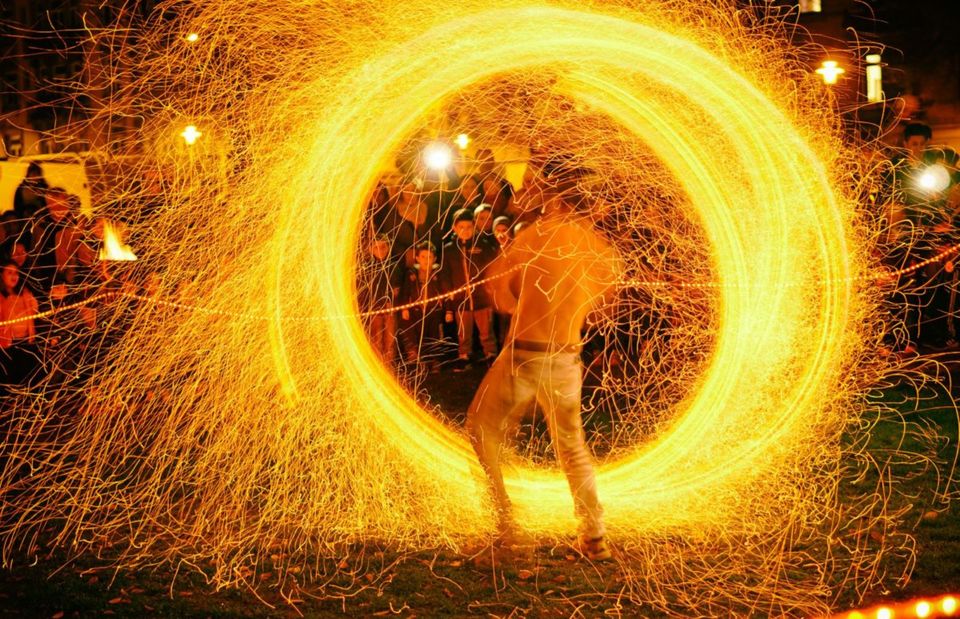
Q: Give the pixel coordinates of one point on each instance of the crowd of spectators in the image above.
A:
(430, 241)
(48, 255)
(921, 189)
(429, 244)
(433, 241)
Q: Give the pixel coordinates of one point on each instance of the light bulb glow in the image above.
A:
(923, 609)
(934, 178)
(830, 71)
(949, 605)
(437, 156)
(191, 134)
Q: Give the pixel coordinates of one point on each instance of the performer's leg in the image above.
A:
(489, 418)
(559, 395)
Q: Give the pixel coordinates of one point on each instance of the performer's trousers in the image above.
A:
(514, 381)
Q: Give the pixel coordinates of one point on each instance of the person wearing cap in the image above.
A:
(483, 224)
(465, 263)
(551, 277)
(501, 231)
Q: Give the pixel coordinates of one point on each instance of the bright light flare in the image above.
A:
(830, 71)
(193, 37)
(437, 156)
(463, 141)
(923, 609)
(113, 248)
(191, 134)
(934, 178)
(949, 605)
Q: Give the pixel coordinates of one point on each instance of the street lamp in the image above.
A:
(830, 71)
(190, 134)
(874, 78)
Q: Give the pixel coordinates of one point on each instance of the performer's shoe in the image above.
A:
(595, 548)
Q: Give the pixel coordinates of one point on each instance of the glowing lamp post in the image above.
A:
(830, 71)
(191, 134)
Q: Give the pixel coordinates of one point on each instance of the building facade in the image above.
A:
(53, 86)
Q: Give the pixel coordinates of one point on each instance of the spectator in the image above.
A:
(378, 292)
(501, 231)
(922, 216)
(483, 225)
(17, 339)
(57, 250)
(496, 190)
(11, 227)
(30, 196)
(420, 324)
(468, 197)
(465, 261)
(501, 320)
(379, 206)
(408, 220)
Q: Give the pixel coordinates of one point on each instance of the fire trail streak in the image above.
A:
(294, 440)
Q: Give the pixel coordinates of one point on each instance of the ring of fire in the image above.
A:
(780, 244)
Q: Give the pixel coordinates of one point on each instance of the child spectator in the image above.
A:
(483, 224)
(420, 324)
(378, 287)
(17, 339)
(465, 261)
(501, 231)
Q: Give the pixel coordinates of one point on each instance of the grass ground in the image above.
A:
(546, 582)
